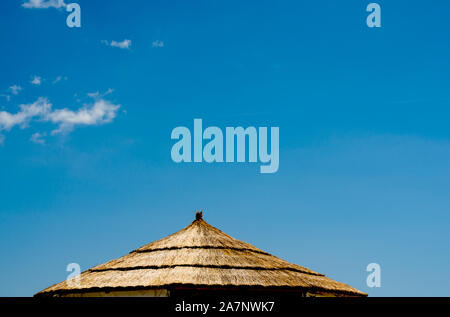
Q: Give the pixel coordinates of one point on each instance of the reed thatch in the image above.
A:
(201, 256)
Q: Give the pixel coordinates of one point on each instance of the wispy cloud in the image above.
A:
(15, 89)
(158, 43)
(38, 138)
(58, 79)
(100, 112)
(37, 80)
(2, 139)
(43, 4)
(125, 44)
(96, 95)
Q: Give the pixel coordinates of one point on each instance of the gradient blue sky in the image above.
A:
(364, 135)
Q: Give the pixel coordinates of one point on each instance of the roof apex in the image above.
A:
(199, 215)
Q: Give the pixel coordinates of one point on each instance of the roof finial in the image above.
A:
(199, 215)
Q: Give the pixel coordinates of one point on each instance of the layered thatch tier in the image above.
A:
(201, 256)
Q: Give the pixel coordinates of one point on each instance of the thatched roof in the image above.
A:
(202, 256)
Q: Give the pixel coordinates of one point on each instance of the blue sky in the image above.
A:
(364, 135)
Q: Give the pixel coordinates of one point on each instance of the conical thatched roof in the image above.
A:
(201, 256)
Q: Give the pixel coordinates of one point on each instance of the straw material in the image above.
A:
(201, 256)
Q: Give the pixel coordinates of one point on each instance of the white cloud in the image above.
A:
(37, 80)
(38, 138)
(158, 43)
(101, 112)
(43, 4)
(26, 113)
(15, 89)
(125, 44)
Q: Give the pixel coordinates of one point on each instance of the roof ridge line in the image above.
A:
(141, 267)
(200, 247)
